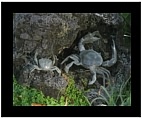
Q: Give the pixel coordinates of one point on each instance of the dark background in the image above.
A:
(7, 10)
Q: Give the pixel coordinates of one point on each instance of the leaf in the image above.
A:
(66, 104)
(36, 104)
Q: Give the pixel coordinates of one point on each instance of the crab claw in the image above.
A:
(113, 60)
(89, 38)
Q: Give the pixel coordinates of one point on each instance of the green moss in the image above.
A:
(24, 96)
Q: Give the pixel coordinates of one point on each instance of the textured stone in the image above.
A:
(59, 34)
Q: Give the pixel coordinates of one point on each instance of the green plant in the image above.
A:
(24, 96)
(115, 98)
(75, 97)
(127, 23)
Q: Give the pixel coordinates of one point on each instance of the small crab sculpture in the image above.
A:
(91, 59)
(44, 64)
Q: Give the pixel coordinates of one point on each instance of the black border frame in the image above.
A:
(7, 10)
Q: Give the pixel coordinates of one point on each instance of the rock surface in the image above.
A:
(58, 34)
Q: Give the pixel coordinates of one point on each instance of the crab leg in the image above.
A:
(73, 57)
(93, 78)
(109, 63)
(102, 73)
(67, 67)
(54, 59)
(57, 69)
(106, 71)
(76, 62)
(35, 67)
(93, 71)
(35, 57)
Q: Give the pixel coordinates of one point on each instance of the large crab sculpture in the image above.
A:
(91, 59)
(44, 64)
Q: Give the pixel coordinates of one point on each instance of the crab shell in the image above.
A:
(45, 64)
(90, 58)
